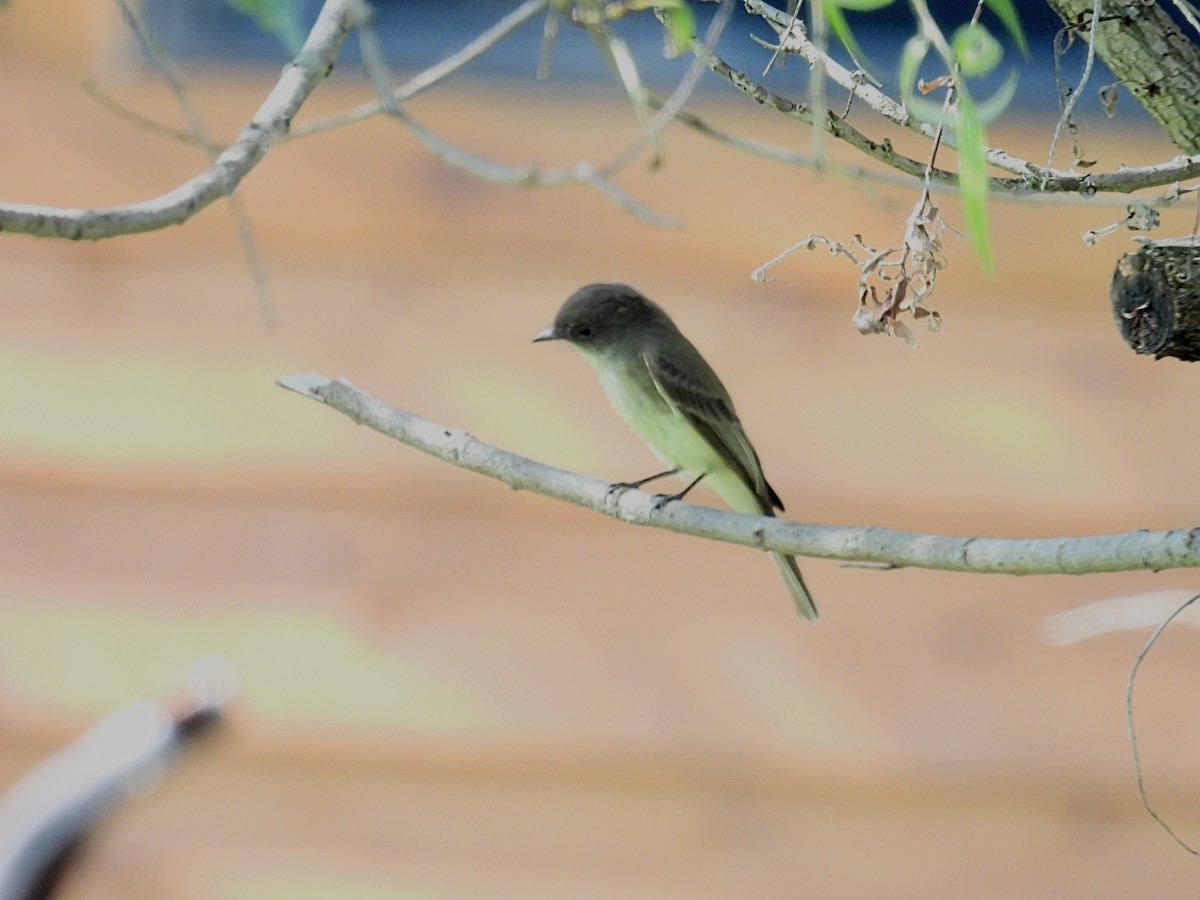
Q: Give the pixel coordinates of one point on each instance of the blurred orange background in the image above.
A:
(453, 690)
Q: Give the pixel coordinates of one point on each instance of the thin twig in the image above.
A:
(1069, 107)
(1028, 178)
(1133, 744)
(794, 41)
(157, 55)
(935, 34)
(856, 175)
(794, 12)
(434, 74)
(676, 101)
(907, 275)
(375, 62)
(93, 89)
(1189, 13)
(479, 167)
(619, 57)
(158, 58)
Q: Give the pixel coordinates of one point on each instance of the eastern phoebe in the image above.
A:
(665, 391)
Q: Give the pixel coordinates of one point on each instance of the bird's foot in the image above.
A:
(661, 500)
(637, 485)
(620, 487)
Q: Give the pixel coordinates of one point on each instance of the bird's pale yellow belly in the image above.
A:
(670, 436)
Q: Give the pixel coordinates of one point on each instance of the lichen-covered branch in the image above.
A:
(1025, 178)
(1133, 551)
(1150, 56)
(272, 124)
(1155, 297)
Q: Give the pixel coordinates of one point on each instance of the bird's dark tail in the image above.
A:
(790, 572)
(734, 489)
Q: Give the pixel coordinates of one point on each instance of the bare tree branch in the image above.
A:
(435, 73)
(272, 124)
(300, 77)
(1027, 178)
(857, 175)
(1133, 551)
(527, 175)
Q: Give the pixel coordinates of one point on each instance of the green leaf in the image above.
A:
(832, 10)
(680, 25)
(678, 20)
(915, 51)
(841, 28)
(280, 18)
(972, 177)
(986, 111)
(975, 50)
(1007, 14)
(616, 52)
(991, 109)
(859, 5)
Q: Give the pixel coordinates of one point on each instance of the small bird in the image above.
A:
(665, 391)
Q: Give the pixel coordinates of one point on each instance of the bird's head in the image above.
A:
(596, 315)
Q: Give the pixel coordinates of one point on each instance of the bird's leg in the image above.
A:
(662, 500)
(628, 485)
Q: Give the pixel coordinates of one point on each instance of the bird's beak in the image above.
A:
(548, 335)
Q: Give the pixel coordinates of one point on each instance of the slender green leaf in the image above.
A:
(1007, 14)
(841, 28)
(972, 176)
(680, 24)
(994, 106)
(986, 111)
(915, 51)
(859, 5)
(975, 50)
(832, 10)
(280, 18)
(616, 52)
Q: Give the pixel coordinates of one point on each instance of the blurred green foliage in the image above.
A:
(280, 18)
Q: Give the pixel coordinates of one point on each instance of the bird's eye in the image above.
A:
(581, 332)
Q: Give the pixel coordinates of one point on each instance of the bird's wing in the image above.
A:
(703, 401)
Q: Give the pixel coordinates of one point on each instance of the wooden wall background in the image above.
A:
(451, 690)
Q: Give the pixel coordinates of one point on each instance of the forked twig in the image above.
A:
(1133, 744)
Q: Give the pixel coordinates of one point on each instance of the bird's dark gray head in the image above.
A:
(597, 314)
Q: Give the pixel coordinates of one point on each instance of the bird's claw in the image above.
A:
(661, 500)
(619, 487)
(656, 504)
